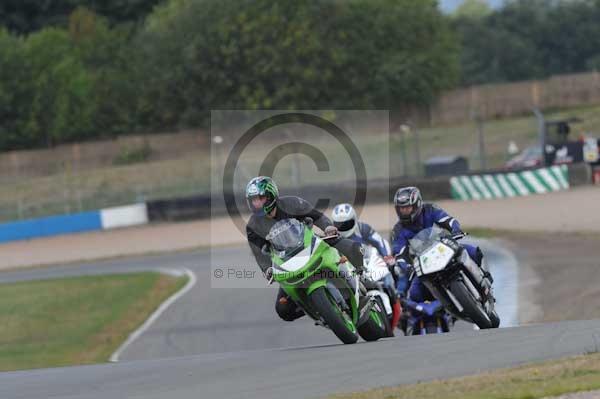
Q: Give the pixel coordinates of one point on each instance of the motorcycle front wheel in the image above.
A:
(472, 308)
(335, 318)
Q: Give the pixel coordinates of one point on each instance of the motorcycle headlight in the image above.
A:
(436, 258)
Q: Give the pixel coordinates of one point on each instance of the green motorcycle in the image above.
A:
(324, 284)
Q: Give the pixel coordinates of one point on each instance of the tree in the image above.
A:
(206, 55)
(61, 103)
(93, 78)
(529, 40)
(472, 9)
(14, 88)
(58, 86)
(25, 16)
(108, 57)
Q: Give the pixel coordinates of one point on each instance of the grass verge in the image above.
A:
(553, 378)
(79, 320)
(538, 380)
(486, 232)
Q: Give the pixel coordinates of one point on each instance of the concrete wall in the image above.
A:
(109, 218)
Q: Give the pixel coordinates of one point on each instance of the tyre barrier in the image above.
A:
(511, 184)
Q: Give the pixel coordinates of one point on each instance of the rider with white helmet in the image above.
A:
(345, 219)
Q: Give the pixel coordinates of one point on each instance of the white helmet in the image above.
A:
(344, 218)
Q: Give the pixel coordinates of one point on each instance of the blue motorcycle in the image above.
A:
(427, 317)
(422, 313)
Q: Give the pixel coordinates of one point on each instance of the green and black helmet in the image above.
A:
(261, 195)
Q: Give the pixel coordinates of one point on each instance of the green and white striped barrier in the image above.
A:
(513, 184)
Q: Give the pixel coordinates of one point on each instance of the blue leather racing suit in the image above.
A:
(402, 233)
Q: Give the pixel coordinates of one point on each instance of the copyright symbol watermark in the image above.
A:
(218, 273)
(324, 157)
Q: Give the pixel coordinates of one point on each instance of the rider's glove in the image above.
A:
(269, 274)
(331, 231)
(390, 260)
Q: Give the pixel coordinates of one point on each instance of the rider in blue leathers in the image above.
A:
(414, 216)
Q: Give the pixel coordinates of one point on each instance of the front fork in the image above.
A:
(356, 288)
(481, 275)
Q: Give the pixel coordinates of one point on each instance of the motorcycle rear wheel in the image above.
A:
(377, 325)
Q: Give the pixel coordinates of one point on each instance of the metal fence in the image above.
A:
(487, 144)
(512, 99)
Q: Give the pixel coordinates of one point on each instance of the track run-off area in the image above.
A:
(228, 342)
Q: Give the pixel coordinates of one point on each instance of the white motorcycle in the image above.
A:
(379, 283)
(453, 278)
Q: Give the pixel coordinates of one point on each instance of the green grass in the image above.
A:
(484, 232)
(76, 320)
(540, 380)
(75, 191)
(80, 190)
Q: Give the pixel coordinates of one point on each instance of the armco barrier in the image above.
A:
(75, 223)
(379, 191)
(50, 226)
(176, 209)
(124, 216)
(495, 184)
(510, 184)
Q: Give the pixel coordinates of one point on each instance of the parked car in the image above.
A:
(528, 158)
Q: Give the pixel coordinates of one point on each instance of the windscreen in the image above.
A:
(287, 236)
(426, 237)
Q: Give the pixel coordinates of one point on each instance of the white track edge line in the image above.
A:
(157, 313)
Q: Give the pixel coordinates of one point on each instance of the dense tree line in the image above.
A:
(528, 39)
(302, 54)
(25, 16)
(59, 85)
(90, 77)
(81, 69)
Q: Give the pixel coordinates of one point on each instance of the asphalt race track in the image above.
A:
(229, 343)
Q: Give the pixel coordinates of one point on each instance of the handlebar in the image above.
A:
(459, 236)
